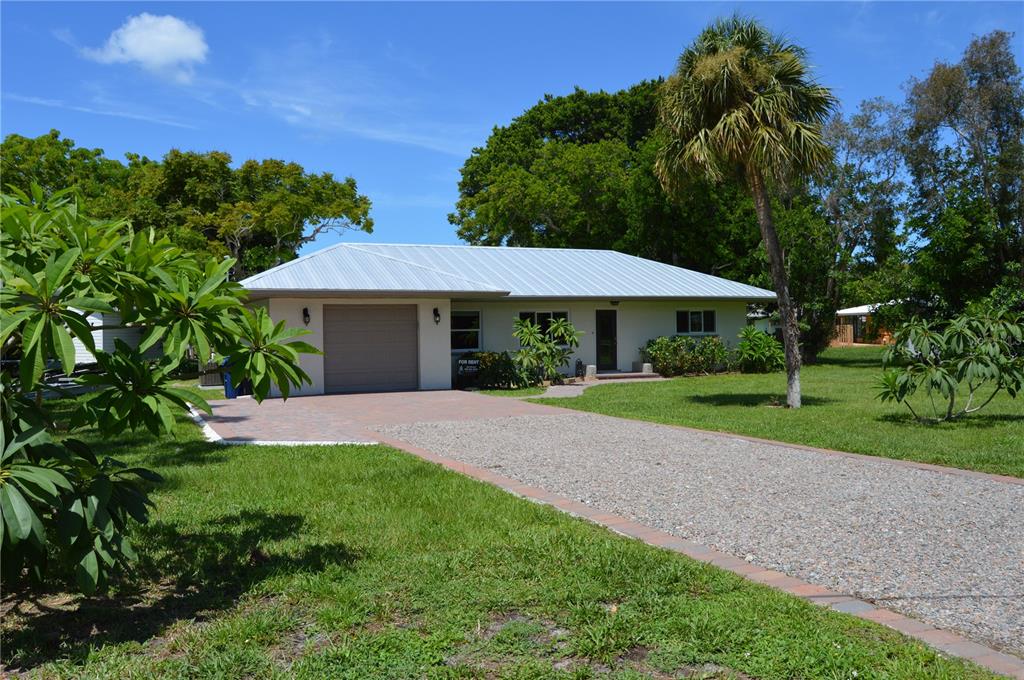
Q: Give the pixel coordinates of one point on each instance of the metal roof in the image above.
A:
(862, 310)
(499, 271)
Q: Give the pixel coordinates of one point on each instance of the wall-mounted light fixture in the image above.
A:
(437, 315)
(614, 303)
(305, 315)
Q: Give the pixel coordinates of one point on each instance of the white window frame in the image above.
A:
(479, 330)
(689, 322)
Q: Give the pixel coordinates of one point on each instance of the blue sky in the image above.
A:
(396, 95)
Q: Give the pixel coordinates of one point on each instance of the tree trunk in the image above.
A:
(777, 265)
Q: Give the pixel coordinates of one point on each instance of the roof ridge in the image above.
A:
(471, 246)
(285, 265)
(428, 268)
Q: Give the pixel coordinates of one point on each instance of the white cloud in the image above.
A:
(165, 45)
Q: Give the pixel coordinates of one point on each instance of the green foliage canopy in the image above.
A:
(965, 153)
(258, 213)
(65, 508)
(578, 171)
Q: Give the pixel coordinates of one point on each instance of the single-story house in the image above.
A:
(858, 325)
(393, 317)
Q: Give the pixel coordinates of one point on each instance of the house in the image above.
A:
(394, 317)
(103, 338)
(762, 320)
(857, 325)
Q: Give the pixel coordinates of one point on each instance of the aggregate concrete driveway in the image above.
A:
(944, 547)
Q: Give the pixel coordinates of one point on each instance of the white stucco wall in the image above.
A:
(638, 322)
(434, 339)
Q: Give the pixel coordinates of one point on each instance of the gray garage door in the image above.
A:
(370, 348)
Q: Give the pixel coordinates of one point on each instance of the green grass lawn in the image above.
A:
(208, 393)
(839, 411)
(365, 562)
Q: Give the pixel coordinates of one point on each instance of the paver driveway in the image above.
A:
(354, 417)
(944, 548)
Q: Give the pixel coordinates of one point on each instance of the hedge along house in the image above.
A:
(394, 317)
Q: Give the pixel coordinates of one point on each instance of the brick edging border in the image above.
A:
(945, 641)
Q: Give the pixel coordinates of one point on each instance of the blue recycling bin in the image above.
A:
(229, 388)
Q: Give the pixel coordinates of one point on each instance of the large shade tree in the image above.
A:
(742, 103)
(965, 152)
(259, 213)
(577, 171)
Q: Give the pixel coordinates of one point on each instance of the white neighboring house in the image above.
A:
(394, 317)
(103, 338)
(762, 320)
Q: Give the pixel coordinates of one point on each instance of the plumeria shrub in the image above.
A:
(544, 353)
(66, 508)
(959, 365)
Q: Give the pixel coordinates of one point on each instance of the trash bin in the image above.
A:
(229, 387)
(232, 389)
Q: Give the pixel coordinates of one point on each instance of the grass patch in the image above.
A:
(535, 391)
(207, 393)
(363, 561)
(839, 411)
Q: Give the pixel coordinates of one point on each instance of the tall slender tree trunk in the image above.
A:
(777, 265)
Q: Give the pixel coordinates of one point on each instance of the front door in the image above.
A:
(607, 346)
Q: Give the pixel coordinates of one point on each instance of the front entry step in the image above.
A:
(623, 375)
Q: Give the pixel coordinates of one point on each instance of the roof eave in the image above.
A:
(265, 293)
(588, 298)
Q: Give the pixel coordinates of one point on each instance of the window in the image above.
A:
(543, 319)
(465, 331)
(695, 321)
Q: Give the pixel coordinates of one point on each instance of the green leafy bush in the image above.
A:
(956, 361)
(64, 509)
(671, 355)
(544, 353)
(499, 371)
(759, 352)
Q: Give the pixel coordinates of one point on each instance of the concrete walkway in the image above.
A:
(940, 545)
(576, 389)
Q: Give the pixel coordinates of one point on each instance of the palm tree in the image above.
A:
(741, 102)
